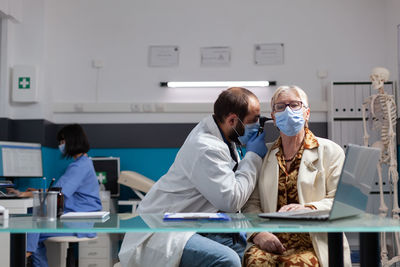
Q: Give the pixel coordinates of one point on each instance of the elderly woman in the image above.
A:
(300, 172)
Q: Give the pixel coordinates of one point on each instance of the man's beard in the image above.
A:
(234, 135)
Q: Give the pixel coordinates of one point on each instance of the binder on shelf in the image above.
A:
(337, 132)
(359, 99)
(349, 100)
(338, 106)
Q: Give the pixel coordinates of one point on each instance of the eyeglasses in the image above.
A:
(293, 105)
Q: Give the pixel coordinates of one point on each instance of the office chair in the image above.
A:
(138, 183)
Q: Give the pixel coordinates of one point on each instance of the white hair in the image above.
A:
(291, 88)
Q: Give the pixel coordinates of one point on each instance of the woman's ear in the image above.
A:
(273, 117)
(307, 115)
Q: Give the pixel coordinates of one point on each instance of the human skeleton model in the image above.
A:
(383, 118)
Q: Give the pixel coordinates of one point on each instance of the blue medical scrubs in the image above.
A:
(81, 193)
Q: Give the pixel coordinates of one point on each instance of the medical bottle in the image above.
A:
(60, 200)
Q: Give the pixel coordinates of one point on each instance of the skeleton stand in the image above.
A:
(383, 117)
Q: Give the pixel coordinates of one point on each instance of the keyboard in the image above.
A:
(9, 196)
(299, 215)
(5, 183)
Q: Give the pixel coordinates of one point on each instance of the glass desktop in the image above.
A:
(367, 225)
(240, 222)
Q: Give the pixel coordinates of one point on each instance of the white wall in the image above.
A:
(391, 34)
(346, 38)
(26, 45)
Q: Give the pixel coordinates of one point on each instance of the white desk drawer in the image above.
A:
(102, 253)
(94, 263)
(100, 241)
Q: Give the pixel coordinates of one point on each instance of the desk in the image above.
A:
(14, 206)
(366, 224)
(17, 206)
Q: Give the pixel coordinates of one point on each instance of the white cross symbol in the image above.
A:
(24, 83)
(101, 177)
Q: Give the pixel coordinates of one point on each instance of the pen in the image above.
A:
(44, 183)
(51, 184)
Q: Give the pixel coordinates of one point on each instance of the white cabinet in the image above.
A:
(102, 251)
(345, 125)
(5, 250)
(98, 252)
(93, 263)
(345, 112)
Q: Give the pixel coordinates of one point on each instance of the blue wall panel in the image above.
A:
(150, 162)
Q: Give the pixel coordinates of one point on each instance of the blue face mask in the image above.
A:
(249, 131)
(290, 122)
(62, 148)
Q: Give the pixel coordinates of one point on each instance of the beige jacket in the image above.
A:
(318, 177)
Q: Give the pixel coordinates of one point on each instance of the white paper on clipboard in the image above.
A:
(85, 215)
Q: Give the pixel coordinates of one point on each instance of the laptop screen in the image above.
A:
(358, 173)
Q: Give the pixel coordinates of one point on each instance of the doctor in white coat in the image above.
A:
(207, 176)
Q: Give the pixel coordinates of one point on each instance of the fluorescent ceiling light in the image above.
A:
(217, 84)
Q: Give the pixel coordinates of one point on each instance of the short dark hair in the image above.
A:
(233, 100)
(76, 141)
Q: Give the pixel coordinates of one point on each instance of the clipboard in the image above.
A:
(193, 216)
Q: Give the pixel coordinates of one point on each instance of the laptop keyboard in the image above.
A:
(301, 214)
(311, 213)
(9, 196)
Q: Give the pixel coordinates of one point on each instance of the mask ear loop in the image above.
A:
(240, 145)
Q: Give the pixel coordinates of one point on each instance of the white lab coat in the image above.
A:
(317, 181)
(200, 180)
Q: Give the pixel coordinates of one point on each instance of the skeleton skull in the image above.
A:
(378, 77)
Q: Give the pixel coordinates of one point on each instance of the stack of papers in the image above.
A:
(170, 216)
(85, 215)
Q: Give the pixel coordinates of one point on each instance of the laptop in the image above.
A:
(357, 176)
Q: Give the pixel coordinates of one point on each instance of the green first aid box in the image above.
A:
(24, 84)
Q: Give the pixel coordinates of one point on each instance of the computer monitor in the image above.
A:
(107, 169)
(20, 159)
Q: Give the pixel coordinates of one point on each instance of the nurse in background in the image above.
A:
(79, 185)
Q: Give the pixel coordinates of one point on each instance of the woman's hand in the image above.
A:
(13, 191)
(269, 242)
(27, 193)
(292, 207)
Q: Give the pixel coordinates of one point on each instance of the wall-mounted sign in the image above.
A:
(268, 54)
(163, 56)
(215, 56)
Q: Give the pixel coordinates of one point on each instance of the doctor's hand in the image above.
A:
(256, 144)
(269, 242)
(292, 207)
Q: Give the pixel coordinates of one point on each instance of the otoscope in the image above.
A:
(262, 121)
